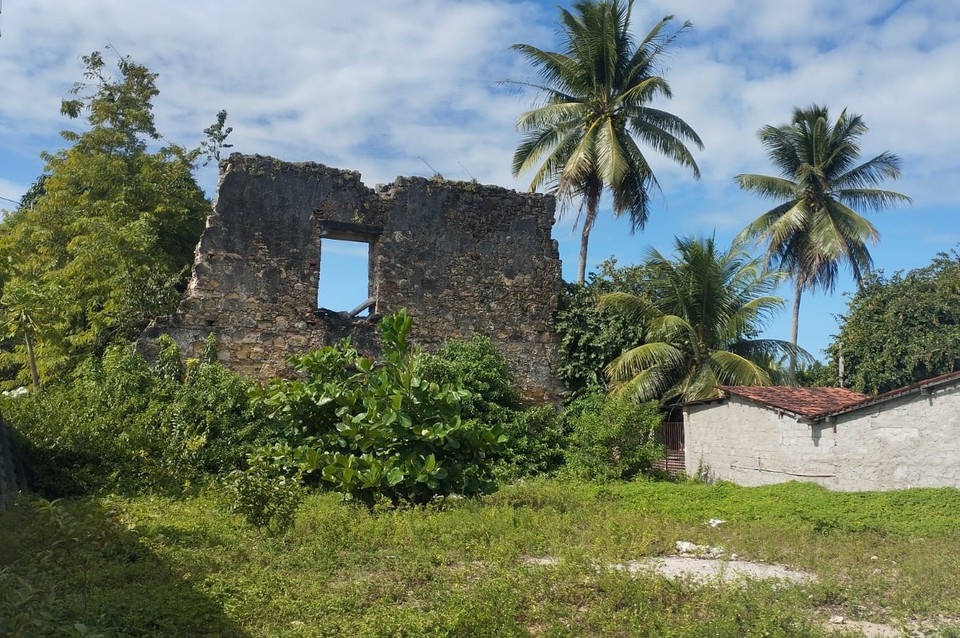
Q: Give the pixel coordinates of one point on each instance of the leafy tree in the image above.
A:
(612, 438)
(590, 338)
(108, 231)
(701, 313)
(597, 92)
(902, 329)
(815, 227)
(375, 429)
(815, 375)
(24, 314)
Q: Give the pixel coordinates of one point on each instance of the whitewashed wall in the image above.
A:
(912, 441)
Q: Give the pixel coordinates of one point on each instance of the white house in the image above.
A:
(838, 438)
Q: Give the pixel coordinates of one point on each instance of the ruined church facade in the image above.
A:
(462, 258)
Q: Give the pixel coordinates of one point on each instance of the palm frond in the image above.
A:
(594, 109)
(648, 127)
(655, 359)
(732, 369)
(636, 308)
(650, 384)
(767, 186)
(871, 198)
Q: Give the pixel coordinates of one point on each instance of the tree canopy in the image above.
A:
(589, 337)
(902, 329)
(596, 114)
(108, 231)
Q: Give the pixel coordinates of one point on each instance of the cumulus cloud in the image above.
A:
(387, 88)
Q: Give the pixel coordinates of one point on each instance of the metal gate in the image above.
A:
(670, 435)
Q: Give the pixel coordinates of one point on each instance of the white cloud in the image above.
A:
(373, 86)
(10, 194)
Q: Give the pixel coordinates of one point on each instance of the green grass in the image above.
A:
(154, 566)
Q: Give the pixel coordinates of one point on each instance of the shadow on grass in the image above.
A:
(69, 568)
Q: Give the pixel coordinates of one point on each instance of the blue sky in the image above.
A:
(387, 87)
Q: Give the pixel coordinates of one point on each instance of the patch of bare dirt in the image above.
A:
(703, 569)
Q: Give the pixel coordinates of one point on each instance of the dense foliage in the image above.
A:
(701, 312)
(612, 438)
(902, 329)
(596, 113)
(377, 429)
(535, 437)
(590, 338)
(102, 241)
(124, 426)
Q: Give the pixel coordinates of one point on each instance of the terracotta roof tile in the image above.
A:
(807, 402)
(949, 377)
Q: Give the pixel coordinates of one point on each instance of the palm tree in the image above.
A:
(702, 312)
(585, 137)
(815, 228)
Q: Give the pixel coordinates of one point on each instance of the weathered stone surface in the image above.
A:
(462, 258)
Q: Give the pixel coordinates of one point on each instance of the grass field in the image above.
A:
(154, 566)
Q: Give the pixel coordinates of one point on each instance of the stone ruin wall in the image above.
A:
(462, 258)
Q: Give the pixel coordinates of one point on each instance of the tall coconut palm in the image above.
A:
(815, 229)
(596, 93)
(702, 312)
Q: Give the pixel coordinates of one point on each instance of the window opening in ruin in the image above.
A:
(344, 281)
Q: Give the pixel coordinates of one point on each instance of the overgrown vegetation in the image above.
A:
(590, 338)
(612, 438)
(104, 240)
(414, 493)
(535, 437)
(902, 329)
(376, 429)
(126, 427)
(403, 428)
(462, 568)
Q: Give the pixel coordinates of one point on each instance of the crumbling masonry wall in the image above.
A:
(462, 258)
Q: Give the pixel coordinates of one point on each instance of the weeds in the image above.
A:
(460, 567)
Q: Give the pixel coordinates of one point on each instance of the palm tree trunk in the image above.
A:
(792, 370)
(34, 376)
(593, 203)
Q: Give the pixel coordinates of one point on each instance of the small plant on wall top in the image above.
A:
(377, 429)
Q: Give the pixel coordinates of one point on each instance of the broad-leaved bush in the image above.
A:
(382, 428)
(535, 436)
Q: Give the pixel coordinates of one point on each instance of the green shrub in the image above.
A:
(589, 337)
(267, 494)
(373, 429)
(534, 437)
(612, 437)
(122, 425)
(536, 443)
(477, 366)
